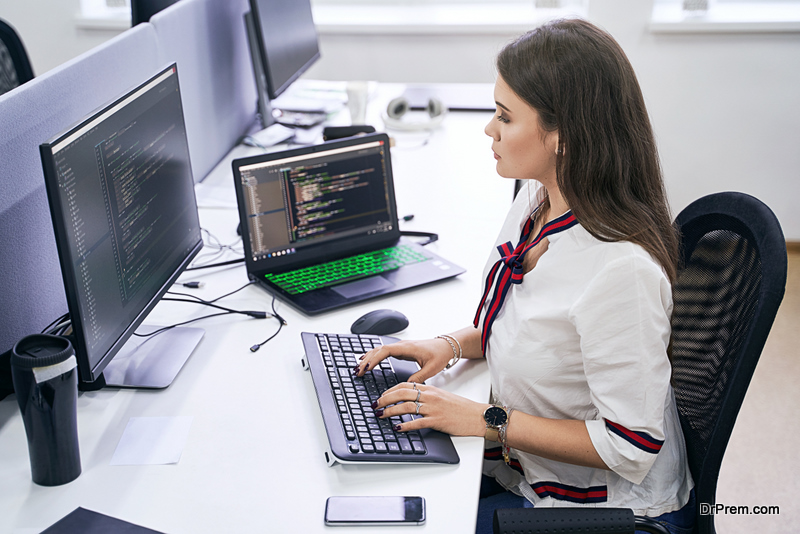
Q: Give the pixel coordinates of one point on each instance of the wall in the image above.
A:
(48, 30)
(725, 107)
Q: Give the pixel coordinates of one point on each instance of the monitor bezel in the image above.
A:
(87, 372)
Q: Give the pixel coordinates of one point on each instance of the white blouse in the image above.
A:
(584, 337)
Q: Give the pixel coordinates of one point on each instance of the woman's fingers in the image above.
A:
(437, 408)
(371, 359)
(400, 393)
(423, 374)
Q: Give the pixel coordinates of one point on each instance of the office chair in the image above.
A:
(730, 284)
(15, 67)
(142, 10)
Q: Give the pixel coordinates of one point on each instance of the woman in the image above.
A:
(574, 319)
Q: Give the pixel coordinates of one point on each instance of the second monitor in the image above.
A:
(283, 45)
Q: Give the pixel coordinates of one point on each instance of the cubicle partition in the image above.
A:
(31, 289)
(206, 39)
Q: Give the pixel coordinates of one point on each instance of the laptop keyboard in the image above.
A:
(346, 269)
(365, 433)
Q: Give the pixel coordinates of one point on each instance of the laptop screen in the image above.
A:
(315, 203)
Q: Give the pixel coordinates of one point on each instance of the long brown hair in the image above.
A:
(580, 82)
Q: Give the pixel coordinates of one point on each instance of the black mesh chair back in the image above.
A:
(15, 67)
(728, 290)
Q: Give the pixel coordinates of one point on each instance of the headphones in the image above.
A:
(397, 108)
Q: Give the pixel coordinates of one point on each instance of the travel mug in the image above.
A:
(45, 376)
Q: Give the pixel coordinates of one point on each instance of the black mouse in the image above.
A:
(380, 322)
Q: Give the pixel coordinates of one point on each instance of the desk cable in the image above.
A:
(219, 249)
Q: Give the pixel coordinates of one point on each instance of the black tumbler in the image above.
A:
(45, 378)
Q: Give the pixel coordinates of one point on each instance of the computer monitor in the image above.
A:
(143, 10)
(124, 213)
(283, 45)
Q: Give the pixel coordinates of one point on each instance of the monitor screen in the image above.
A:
(124, 213)
(316, 197)
(287, 39)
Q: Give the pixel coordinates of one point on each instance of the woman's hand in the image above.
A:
(440, 410)
(431, 355)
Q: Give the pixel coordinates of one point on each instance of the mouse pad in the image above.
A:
(363, 286)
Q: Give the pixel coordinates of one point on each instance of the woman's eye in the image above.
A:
(502, 119)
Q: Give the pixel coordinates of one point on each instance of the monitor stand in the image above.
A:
(152, 362)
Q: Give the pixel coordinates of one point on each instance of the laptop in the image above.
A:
(355, 434)
(320, 228)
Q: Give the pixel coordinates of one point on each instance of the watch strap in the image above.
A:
(492, 434)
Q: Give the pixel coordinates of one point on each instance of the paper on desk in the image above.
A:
(152, 441)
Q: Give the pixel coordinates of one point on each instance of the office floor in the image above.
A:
(761, 464)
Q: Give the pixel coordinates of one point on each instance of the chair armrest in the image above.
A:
(565, 520)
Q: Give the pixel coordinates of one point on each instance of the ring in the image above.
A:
(418, 394)
(418, 405)
(414, 385)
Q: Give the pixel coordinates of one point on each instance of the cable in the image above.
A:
(281, 324)
(52, 327)
(154, 332)
(219, 249)
(212, 300)
(430, 235)
(250, 313)
(229, 262)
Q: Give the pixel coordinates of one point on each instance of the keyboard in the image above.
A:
(355, 434)
(346, 269)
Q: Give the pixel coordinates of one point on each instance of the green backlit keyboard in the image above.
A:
(346, 269)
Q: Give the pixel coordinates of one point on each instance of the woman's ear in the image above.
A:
(554, 141)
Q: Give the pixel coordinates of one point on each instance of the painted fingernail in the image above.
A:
(398, 428)
(379, 412)
(374, 404)
(366, 367)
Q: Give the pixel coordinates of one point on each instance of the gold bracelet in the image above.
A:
(456, 353)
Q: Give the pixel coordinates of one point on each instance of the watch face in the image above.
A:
(495, 416)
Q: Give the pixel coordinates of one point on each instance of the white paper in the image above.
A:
(152, 441)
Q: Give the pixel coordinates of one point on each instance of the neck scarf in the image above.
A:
(509, 269)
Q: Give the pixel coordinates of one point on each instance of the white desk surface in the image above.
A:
(253, 461)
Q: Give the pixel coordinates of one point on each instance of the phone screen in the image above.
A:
(374, 510)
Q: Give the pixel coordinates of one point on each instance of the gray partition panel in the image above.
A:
(31, 289)
(206, 38)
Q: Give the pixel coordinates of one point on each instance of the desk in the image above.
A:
(253, 461)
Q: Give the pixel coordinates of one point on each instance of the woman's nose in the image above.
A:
(490, 129)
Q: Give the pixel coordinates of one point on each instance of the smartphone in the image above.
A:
(354, 511)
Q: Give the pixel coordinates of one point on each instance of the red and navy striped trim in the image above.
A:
(555, 490)
(509, 269)
(495, 453)
(564, 492)
(640, 440)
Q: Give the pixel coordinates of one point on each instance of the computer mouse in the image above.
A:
(380, 322)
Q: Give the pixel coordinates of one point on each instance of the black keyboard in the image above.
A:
(354, 432)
